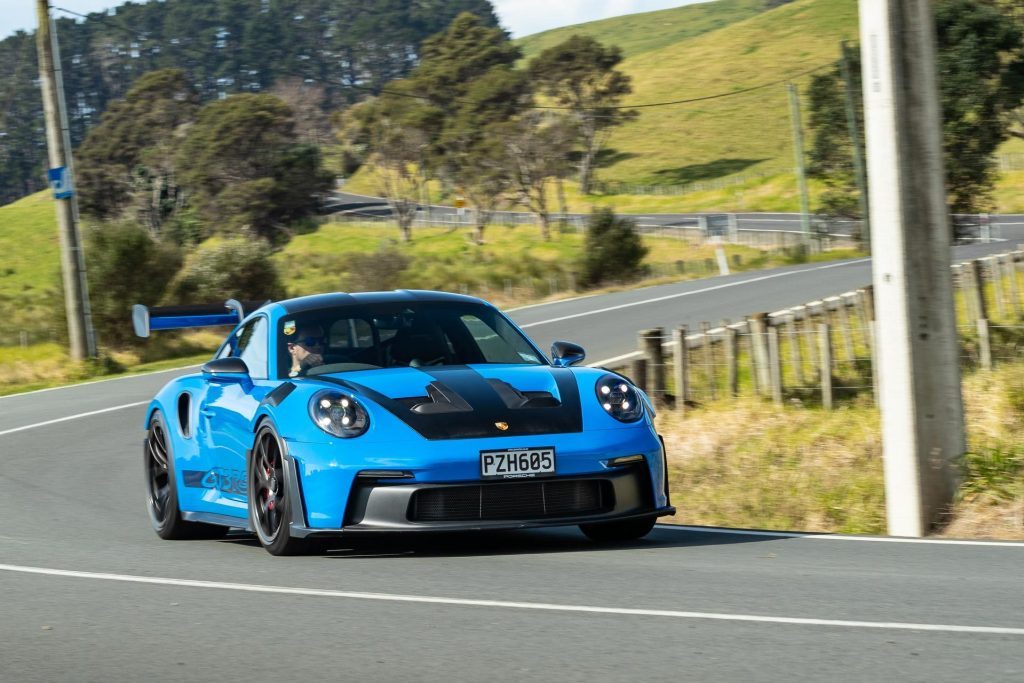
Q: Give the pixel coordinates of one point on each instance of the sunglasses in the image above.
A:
(309, 341)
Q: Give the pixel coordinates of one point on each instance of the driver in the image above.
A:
(306, 350)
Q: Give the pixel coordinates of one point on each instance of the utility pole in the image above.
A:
(58, 142)
(798, 152)
(858, 158)
(918, 375)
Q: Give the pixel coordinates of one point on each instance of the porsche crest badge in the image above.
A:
(503, 426)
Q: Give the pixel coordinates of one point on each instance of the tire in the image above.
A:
(619, 532)
(162, 490)
(270, 505)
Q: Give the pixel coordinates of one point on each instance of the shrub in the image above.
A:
(613, 252)
(227, 269)
(377, 272)
(125, 266)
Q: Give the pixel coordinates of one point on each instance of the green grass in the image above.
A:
(514, 266)
(730, 135)
(648, 31)
(29, 265)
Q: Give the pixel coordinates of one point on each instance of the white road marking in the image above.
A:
(502, 604)
(99, 381)
(695, 291)
(72, 417)
(838, 537)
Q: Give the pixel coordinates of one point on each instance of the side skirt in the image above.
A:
(214, 518)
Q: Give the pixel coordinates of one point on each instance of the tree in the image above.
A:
(831, 153)
(614, 250)
(224, 47)
(126, 155)
(981, 85)
(236, 268)
(580, 74)
(244, 163)
(537, 144)
(466, 150)
(126, 266)
(981, 67)
(440, 121)
(392, 131)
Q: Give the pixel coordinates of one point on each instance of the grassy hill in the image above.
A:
(744, 140)
(751, 131)
(29, 265)
(647, 31)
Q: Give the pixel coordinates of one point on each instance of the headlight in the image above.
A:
(619, 398)
(338, 414)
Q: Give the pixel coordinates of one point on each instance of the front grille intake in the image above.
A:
(519, 500)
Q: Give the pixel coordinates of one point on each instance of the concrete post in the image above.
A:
(919, 376)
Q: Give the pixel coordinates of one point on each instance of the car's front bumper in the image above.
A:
(381, 506)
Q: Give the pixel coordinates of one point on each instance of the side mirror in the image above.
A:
(564, 354)
(226, 370)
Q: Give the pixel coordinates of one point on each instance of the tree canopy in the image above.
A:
(981, 84)
(350, 47)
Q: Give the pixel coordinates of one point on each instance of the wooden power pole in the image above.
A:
(72, 258)
(916, 350)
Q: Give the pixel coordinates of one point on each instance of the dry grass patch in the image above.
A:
(751, 464)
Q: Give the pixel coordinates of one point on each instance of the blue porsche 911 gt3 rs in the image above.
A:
(340, 414)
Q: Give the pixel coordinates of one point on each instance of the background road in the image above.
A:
(683, 604)
(376, 207)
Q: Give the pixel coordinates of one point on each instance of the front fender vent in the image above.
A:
(185, 414)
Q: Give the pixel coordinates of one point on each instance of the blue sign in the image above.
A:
(60, 181)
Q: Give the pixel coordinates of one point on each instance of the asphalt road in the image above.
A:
(89, 593)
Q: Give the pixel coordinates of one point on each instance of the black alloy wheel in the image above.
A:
(269, 502)
(161, 492)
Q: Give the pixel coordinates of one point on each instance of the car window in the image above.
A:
(496, 347)
(416, 334)
(251, 346)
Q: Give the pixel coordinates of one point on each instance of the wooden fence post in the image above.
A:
(638, 372)
(681, 369)
(759, 346)
(732, 353)
(976, 273)
(709, 360)
(775, 363)
(869, 302)
(795, 357)
(844, 324)
(650, 342)
(874, 362)
(825, 353)
(1012, 286)
(984, 344)
(865, 321)
(998, 290)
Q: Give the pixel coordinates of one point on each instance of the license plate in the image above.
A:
(517, 463)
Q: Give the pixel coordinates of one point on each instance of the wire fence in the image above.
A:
(822, 352)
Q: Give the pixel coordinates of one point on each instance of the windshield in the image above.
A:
(396, 335)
